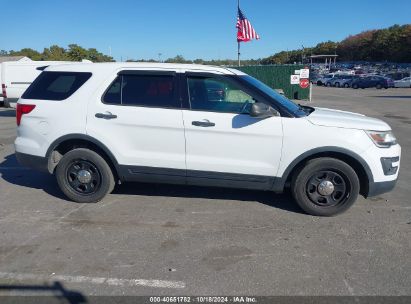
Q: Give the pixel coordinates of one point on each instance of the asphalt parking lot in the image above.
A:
(147, 239)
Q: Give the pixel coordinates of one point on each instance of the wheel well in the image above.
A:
(351, 161)
(70, 144)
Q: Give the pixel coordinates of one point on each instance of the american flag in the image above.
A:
(246, 32)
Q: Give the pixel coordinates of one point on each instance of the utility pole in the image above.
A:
(302, 55)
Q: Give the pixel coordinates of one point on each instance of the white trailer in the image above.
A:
(1, 93)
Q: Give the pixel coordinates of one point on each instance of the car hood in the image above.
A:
(347, 120)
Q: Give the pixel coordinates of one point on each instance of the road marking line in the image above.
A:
(94, 280)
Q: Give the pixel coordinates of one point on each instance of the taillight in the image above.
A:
(3, 89)
(23, 109)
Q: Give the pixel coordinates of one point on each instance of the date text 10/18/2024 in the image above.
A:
(239, 299)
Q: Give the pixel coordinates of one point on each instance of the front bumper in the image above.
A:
(375, 189)
(385, 166)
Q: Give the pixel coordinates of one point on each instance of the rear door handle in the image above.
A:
(203, 124)
(106, 115)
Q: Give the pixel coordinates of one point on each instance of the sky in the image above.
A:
(136, 29)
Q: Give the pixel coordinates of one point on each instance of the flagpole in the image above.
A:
(239, 61)
(239, 53)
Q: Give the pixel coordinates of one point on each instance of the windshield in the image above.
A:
(284, 101)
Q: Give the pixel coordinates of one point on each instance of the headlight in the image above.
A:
(382, 139)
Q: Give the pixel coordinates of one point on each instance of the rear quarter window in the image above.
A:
(56, 85)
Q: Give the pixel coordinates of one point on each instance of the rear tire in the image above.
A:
(346, 85)
(337, 85)
(84, 176)
(355, 86)
(325, 187)
(379, 86)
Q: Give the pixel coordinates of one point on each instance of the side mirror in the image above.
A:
(262, 110)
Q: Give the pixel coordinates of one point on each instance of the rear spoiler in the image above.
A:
(42, 68)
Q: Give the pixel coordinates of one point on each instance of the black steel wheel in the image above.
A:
(325, 186)
(84, 176)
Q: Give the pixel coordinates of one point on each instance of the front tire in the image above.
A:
(84, 176)
(325, 187)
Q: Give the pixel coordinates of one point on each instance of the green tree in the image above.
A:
(76, 52)
(28, 52)
(96, 56)
(178, 59)
(55, 53)
(390, 44)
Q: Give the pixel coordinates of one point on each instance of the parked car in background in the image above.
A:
(314, 77)
(322, 80)
(330, 82)
(397, 75)
(342, 81)
(403, 83)
(378, 82)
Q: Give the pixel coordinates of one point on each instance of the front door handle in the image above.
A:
(106, 115)
(204, 124)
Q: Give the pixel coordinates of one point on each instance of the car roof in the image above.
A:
(115, 66)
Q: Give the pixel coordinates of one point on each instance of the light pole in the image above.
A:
(302, 55)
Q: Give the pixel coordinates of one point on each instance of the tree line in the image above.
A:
(73, 52)
(391, 44)
(222, 62)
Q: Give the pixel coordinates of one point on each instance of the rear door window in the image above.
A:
(56, 85)
(158, 91)
(113, 93)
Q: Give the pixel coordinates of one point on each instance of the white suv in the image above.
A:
(93, 125)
